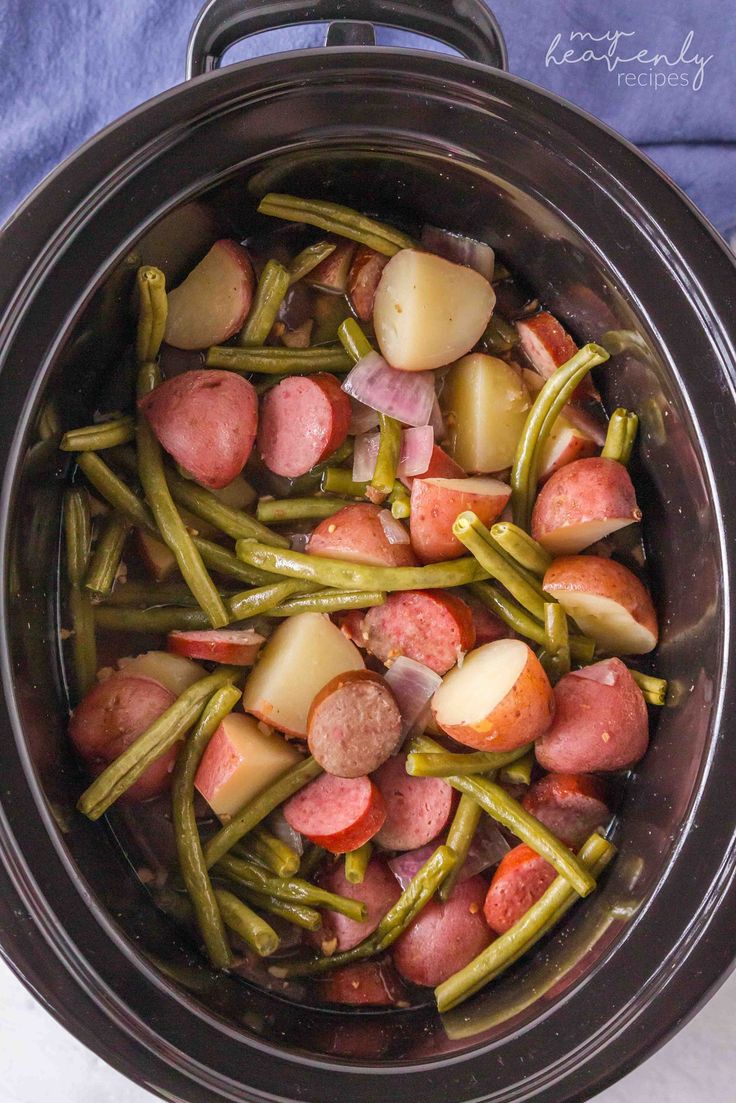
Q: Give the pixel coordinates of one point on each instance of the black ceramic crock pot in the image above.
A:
(613, 248)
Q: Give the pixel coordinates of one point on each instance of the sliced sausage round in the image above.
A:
(363, 278)
(444, 937)
(600, 722)
(303, 420)
(112, 716)
(417, 808)
(521, 879)
(572, 806)
(338, 813)
(363, 533)
(364, 984)
(378, 890)
(207, 421)
(430, 626)
(237, 647)
(354, 724)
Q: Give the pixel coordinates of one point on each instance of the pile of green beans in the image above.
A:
(77, 534)
(620, 437)
(594, 856)
(653, 689)
(233, 522)
(189, 848)
(510, 814)
(270, 851)
(279, 361)
(527, 552)
(272, 287)
(545, 410)
(299, 915)
(582, 649)
(472, 533)
(336, 219)
(293, 889)
(251, 927)
(441, 763)
(171, 726)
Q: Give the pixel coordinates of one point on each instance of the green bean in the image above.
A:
(293, 889)
(654, 689)
(413, 899)
(273, 852)
(556, 641)
(499, 336)
(632, 426)
(555, 393)
(473, 534)
(300, 915)
(353, 340)
(522, 547)
(186, 836)
(93, 438)
(251, 927)
(278, 361)
(312, 858)
(77, 533)
(257, 809)
(107, 555)
(153, 308)
(253, 603)
(235, 523)
(336, 219)
(329, 601)
(595, 855)
(157, 621)
(582, 649)
(163, 733)
(275, 511)
(270, 292)
(497, 803)
(389, 449)
(338, 480)
(520, 771)
(459, 837)
(168, 521)
(356, 863)
(344, 575)
(225, 563)
(443, 763)
(149, 595)
(304, 262)
(620, 436)
(400, 502)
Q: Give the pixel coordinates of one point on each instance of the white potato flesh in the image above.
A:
(174, 672)
(485, 403)
(302, 656)
(564, 444)
(242, 760)
(570, 539)
(213, 301)
(470, 693)
(429, 311)
(607, 622)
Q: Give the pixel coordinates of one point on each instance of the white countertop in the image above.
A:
(41, 1063)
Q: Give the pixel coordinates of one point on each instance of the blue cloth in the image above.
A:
(662, 72)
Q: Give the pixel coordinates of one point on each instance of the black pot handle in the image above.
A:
(466, 25)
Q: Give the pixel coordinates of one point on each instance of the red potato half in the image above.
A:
(363, 279)
(430, 626)
(112, 716)
(600, 722)
(436, 504)
(237, 647)
(213, 301)
(354, 724)
(584, 422)
(582, 503)
(444, 937)
(206, 420)
(338, 813)
(564, 444)
(303, 420)
(606, 601)
(363, 533)
(498, 700)
(572, 806)
(441, 466)
(521, 879)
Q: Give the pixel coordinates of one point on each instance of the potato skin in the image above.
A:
(592, 574)
(593, 489)
(434, 508)
(597, 727)
(520, 717)
(355, 533)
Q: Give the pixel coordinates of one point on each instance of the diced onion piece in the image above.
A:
(406, 397)
(277, 825)
(487, 849)
(365, 454)
(414, 458)
(362, 418)
(413, 686)
(405, 866)
(460, 249)
(393, 530)
(437, 421)
(598, 672)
